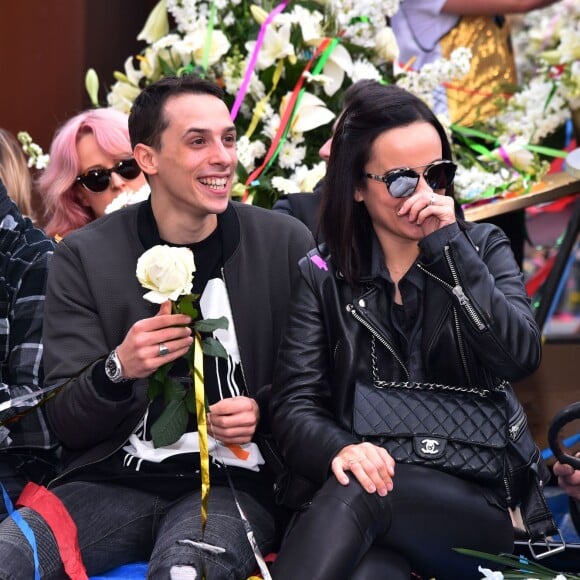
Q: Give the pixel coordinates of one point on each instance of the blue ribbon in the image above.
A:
(547, 453)
(24, 528)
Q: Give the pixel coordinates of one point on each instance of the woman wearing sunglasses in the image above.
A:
(395, 266)
(91, 163)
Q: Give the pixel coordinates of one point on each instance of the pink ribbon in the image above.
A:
(253, 59)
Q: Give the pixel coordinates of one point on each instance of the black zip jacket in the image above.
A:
(476, 329)
(93, 297)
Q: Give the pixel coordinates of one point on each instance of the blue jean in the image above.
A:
(19, 466)
(118, 525)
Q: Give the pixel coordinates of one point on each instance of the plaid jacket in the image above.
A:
(25, 253)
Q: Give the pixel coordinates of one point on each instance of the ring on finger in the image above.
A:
(163, 350)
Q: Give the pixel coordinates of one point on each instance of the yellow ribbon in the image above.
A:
(261, 105)
(201, 427)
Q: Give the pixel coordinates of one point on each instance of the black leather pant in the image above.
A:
(350, 534)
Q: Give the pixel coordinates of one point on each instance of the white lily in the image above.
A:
(92, 86)
(490, 574)
(193, 44)
(258, 14)
(122, 96)
(132, 74)
(149, 63)
(276, 46)
(338, 64)
(516, 155)
(157, 24)
(310, 25)
(311, 113)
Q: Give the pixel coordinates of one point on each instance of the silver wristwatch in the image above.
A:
(113, 368)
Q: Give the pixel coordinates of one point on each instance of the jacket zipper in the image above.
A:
(458, 333)
(457, 290)
(74, 469)
(461, 347)
(351, 309)
(517, 423)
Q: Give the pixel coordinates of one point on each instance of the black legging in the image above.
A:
(350, 534)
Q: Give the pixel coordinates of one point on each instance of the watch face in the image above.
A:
(111, 367)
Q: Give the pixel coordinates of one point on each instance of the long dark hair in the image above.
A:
(345, 223)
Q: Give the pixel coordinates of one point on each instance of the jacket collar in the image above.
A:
(228, 221)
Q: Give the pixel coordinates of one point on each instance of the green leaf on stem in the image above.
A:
(170, 425)
(173, 390)
(186, 305)
(213, 347)
(190, 402)
(211, 324)
(521, 567)
(157, 381)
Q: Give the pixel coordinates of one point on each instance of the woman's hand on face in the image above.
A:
(373, 467)
(430, 211)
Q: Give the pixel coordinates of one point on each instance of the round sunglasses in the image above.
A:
(97, 180)
(403, 182)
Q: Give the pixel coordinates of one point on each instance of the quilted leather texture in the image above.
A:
(471, 430)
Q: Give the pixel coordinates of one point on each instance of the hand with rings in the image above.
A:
(428, 210)
(152, 342)
(372, 466)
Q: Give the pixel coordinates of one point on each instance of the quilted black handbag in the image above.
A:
(460, 430)
(477, 434)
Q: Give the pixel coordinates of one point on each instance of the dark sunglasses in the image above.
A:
(403, 182)
(97, 180)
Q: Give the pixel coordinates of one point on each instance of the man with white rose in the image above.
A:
(129, 498)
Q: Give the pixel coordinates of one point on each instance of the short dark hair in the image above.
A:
(372, 110)
(147, 120)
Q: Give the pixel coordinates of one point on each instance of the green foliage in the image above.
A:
(517, 566)
(171, 424)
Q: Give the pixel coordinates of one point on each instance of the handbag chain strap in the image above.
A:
(380, 384)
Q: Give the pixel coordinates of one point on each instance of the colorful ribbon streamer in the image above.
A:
(254, 58)
(208, 37)
(324, 48)
(201, 427)
(285, 127)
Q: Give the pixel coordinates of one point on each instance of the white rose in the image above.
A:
(166, 271)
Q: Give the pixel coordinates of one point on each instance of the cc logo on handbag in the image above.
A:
(430, 446)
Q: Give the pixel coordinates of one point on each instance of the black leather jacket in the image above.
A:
(476, 328)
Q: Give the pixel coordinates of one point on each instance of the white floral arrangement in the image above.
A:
(547, 48)
(286, 94)
(285, 65)
(547, 43)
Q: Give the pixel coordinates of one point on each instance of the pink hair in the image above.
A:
(57, 183)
